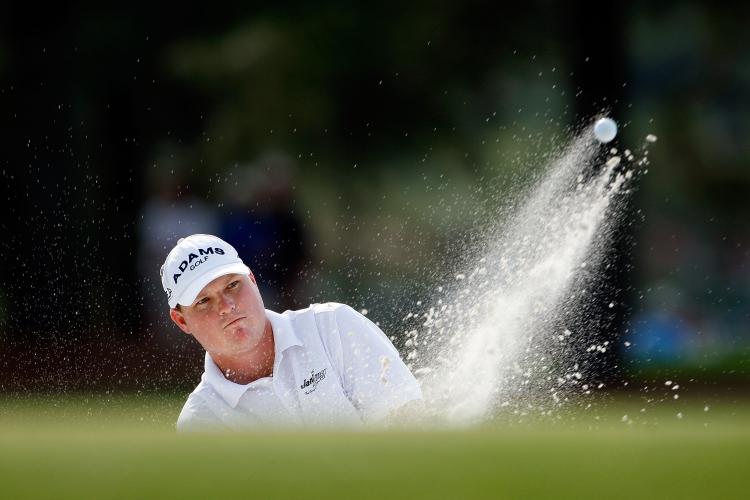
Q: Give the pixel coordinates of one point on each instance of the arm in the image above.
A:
(375, 379)
(196, 416)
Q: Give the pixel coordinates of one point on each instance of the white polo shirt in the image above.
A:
(332, 367)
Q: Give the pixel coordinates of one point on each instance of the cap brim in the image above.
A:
(192, 291)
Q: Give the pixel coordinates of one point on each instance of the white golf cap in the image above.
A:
(194, 263)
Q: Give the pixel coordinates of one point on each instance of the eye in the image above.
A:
(202, 301)
(233, 284)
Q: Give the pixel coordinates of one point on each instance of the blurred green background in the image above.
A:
(353, 154)
(124, 447)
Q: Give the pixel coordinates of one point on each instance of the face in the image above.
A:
(227, 317)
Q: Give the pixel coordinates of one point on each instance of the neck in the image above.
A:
(248, 366)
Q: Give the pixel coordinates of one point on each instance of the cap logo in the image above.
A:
(191, 257)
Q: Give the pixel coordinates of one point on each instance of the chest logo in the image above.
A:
(310, 384)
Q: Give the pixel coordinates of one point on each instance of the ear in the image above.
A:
(179, 320)
(252, 278)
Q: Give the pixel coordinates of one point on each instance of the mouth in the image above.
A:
(233, 322)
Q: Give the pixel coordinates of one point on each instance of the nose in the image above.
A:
(226, 305)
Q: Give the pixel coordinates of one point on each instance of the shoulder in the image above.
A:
(327, 317)
(335, 323)
(336, 311)
(346, 322)
(322, 309)
(352, 327)
(197, 412)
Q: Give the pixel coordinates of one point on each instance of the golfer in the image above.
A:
(324, 365)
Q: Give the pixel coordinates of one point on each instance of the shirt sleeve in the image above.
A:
(375, 379)
(197, 416)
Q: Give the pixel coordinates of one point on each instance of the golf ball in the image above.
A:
(605, 129)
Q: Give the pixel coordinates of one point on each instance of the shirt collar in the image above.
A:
(284, 337)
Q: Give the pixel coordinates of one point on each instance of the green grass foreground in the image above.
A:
(126, 448)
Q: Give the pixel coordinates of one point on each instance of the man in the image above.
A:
(324, 365)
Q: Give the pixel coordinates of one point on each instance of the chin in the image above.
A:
(245, 334)
(239, 329)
